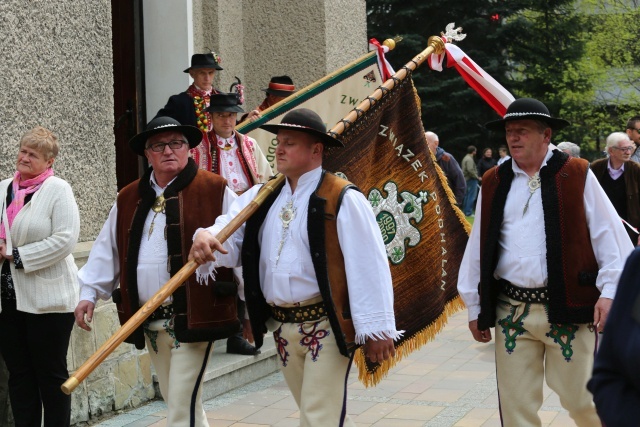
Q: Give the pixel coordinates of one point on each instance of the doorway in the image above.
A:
(128, 86)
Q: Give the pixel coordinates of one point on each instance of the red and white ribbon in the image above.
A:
(487, 87)
(385, 68)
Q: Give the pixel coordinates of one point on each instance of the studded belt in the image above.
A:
(162, 312)
(534, 295)
(307, 313)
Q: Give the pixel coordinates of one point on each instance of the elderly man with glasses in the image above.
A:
(144, 242)
(620, 179)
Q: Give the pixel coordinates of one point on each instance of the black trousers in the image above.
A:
(34, 347)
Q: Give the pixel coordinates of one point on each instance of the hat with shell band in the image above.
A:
(527, 109)
(307, 121)
(164, 124)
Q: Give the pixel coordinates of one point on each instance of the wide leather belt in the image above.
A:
(532, 295)
(307, 313)
(162, 312)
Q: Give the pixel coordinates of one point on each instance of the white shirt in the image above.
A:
(100, 276)
(522, 243)
(501, 160)
(291, 277)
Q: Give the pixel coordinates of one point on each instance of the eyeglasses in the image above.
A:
(636, 129)
(158, 147)
(629, 149)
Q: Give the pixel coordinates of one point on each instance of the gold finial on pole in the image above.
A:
(391, 43)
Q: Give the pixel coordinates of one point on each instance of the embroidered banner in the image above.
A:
(387, 157)
(332, 97)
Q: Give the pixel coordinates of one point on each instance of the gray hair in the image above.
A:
(573, 149)
(615, 138)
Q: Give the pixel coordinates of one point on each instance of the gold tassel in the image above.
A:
(371, 379)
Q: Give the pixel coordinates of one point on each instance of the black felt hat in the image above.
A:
(527, 109)
(280, 86)
(307, 121)
(224, 102)
(164, 124)
(205, 60)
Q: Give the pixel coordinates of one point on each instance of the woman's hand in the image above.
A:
(3, 252)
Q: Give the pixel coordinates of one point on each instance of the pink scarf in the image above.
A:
(20, 191)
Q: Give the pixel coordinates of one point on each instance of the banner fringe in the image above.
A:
(427, 334)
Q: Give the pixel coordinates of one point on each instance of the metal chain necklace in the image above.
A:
(534, 184)
(286, 215)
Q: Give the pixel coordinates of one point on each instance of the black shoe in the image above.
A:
(238, 345)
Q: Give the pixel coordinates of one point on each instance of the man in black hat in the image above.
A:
(235, 156)
(189, 107)
(239, 159)
(279, 88)
(547, 249)
(144, 242)
(315, 271)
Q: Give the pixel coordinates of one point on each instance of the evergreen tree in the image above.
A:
(450, 107)
(547, 45)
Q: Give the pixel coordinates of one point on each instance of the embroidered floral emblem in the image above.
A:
(281, 346)
(153, 338)
(311, 339)
(397, 215)
(563, 334)
(169, 328)
(512, 327)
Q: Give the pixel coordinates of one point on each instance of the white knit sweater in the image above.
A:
(45, 231)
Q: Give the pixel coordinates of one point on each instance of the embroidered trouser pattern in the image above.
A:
(180, 368)
(315, 372)
(528, 350)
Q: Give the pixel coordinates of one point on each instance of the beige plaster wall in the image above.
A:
(56, 71)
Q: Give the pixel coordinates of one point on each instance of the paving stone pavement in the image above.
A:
(448, 382)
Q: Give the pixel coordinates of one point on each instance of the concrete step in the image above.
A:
(226, 372)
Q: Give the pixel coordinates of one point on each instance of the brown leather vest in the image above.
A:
(571, 264)
(194, 199)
